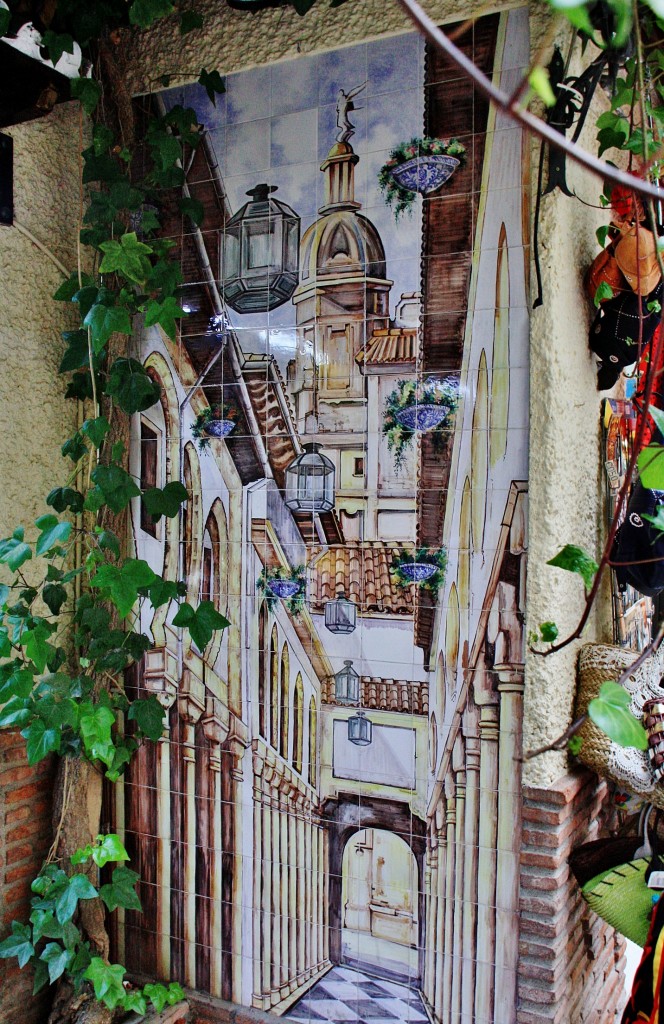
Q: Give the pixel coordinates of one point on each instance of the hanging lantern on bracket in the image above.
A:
(360, 729)
(310, 481)
(341, 615)
(347, 684)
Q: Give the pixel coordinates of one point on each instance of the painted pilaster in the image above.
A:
(471, 829)
(237, 744)
(191, 708)
(448, 943)
(275, 994)
(286, 871)
(292, 891)
(258, 923)
(460, 855)
(166, 698)
(300, 917)
(486, 862)
(266, 868)
(441, 824)
(215, 733)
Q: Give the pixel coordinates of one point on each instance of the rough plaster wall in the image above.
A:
(34, 418)
(566, 488)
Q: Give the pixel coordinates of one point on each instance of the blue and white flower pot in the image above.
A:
(418, 572)
(218, 428)
(425, 174)
(283, 588)
(422, 417)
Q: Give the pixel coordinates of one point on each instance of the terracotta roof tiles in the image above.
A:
(390, 345)
(362, 572)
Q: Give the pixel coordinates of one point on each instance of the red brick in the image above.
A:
(22, 871)
(24, 793)
(21, 852)
(18, 773)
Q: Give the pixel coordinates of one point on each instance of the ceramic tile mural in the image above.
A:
(329, 828)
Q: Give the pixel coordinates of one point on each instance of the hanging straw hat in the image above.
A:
(636, 255)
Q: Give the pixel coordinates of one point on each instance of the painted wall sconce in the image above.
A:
(360, 729)
(215, 421)
(347, 684)
(420, 165)
(261, 253)
(310, 481)
(416, 407)
(284, 584)
(341, 615)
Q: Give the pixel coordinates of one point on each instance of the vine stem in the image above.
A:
(561, 741)
(66, 796)
(93, 457)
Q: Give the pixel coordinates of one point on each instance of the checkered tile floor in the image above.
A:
(345, 995)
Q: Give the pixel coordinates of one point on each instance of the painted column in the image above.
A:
(275, 995)
(308, 897)
(257, 917)
(510, 687)
(163, 770)
(216, 734)
(237, 744)
(318, 896)
(286, 870)
(441, 824)
(448, 943)
(267, 946)
(323, 895)
(460, 855)
(325, 877)
(292, 889)
(429, 890)
(470, 878)
(300, 916)
(486, 862)
(190, 710)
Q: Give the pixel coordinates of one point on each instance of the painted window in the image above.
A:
(273, 698)
(150, 445)
(284, 702)
(298, 724)
(313, 741)
(500, 360)
(262, 659)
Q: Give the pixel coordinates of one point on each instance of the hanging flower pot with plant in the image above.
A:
(217, 420)
(416, 408)
(421, 165)
(423, 568)
(285, 584)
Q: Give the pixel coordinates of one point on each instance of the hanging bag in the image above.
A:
(638, 548)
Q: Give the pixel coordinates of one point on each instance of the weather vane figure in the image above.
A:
(344, 106)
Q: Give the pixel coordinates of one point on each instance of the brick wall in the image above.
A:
(25, 837)
(571, 964)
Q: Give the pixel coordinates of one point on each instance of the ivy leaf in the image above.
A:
(213, 83)
(149, 717)
(96, 430)
(88, 92)
(121, 891)
(575, 559)
(604, 291)
(190, 20)
(79, 887)
(165, 501)
(62, 498)
(610, 712)
(128, 257)
(123, 582)
(302, 6)
(57, 43)
(40, 741)
(144, 12)
(132, 386)
(107, 981)
(539, 82)
(110, 849)
(54, 595)
(16, 684)
(601, 234)
(163, 591)
(192, 208)
(96, 722)
(18, 944)
(136, 1001)
(102, 139)
(104, 321)
(53, 533)
(16, 711)
(201, 622)
(165, 314)
(68, 288)
(76, 354)
(158, 996)
(74, 447)
(14, 551)
(548, 631)
(651, 466)
(108, 541)
(56, 958)
(40, 976)
(116, 485)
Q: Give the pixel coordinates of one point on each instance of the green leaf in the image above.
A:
(104, 321)
(201, 622)
(79, 887)
(16, 711)
(62, 498)
(144, 12)
(603, 291)
(165, 314)
(538, 79)
(128, 257)
(40, 976)
(116, 485)
(165, 501)
(149, 717)
(109, 541)
(122, 582)
(106, 981)
(53, 534)
(54, 595)
(213, 83)
(56, 958)
(651, 466)
(575, 559)
(109, 849)
(610, 712)
(88, 92)
(121, 891)
(14, 551)
(102, 139)
(40, 741)
(601, 234)
(57, 43)
(96, 430)
(548, 631)
(654, 306)
(96, 722)
(75, 447)
(132, 386)
(136, 1001)
(69, 288)
(163, 591)
(76, 354)
(193, 209)
(190, 20)
(158, 996)
(18, 944)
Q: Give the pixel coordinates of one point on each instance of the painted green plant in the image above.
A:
(398, 197)
(219, 412)
(412, 401)
(285, 584)
(423, 568)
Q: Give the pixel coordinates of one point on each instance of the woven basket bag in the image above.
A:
(628, 767)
